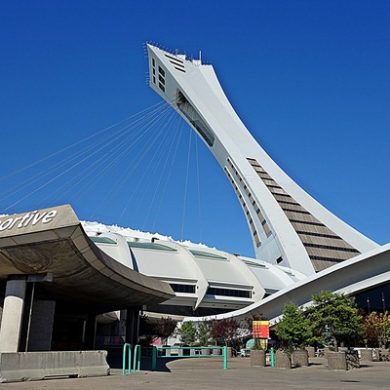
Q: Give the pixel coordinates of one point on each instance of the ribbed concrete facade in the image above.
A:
(324, 247)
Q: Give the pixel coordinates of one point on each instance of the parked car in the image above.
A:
(245, 352)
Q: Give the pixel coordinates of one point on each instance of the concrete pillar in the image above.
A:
(42, 321)
(11, 321)
(132, 325)
(122, 326)
(89, 339)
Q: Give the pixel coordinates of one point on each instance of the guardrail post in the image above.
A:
(272, 357)
(137, 358)
(225, 357)
(126, 348)
(154, 357)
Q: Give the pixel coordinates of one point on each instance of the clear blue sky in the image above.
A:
(310, 79)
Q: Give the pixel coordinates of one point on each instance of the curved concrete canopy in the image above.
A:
(53, 241)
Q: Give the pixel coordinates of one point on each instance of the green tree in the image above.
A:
(334, 317)
(293, 330)
(188, 333)
(203, 333)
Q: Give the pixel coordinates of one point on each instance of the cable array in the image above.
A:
(137, 163)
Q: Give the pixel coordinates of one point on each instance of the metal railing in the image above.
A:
(134, 358)
(272, 357)
(194, 352)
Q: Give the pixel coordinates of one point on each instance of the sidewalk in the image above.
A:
(197, 374)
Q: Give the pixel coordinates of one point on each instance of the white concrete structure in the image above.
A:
(204, 280)
(350, 277)
(301, 248)
(287, 225)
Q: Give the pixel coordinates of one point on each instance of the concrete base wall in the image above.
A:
(311, 351)
(27, 366)
(300, 358)
(282, 360)
(257, 358)
(336, 360)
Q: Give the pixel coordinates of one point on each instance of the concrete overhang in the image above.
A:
(53, 241)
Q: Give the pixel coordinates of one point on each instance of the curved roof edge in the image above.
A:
(350, 277)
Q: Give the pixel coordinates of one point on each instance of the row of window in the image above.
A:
(194, 118)
(102, 240)
(307, 222)
(315, 234)
(229, 293)
(183, 288)
(285, 199)
(161, 75)
(338, 248)
(246, 210)
(150, 245)
(180, 61)
(263, 221)
(296, 211)
(190, 289)
(324, 258)
(292, 203)
(198, 253)
(176, 62)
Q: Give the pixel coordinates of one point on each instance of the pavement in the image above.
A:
(189, 374)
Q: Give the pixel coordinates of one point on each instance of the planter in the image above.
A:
(336, 360)
(311, 351)
(282, 360)
(257, 357)
(384, 355)
(229, 352)
(300, 358)
(375, 355)
(366, 355)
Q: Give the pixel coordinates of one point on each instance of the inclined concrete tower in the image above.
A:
(288, 227)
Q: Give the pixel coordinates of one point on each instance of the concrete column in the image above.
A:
(132, 325)
(90, 332)
(11, 322)
(42, 321)
(122, 325)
